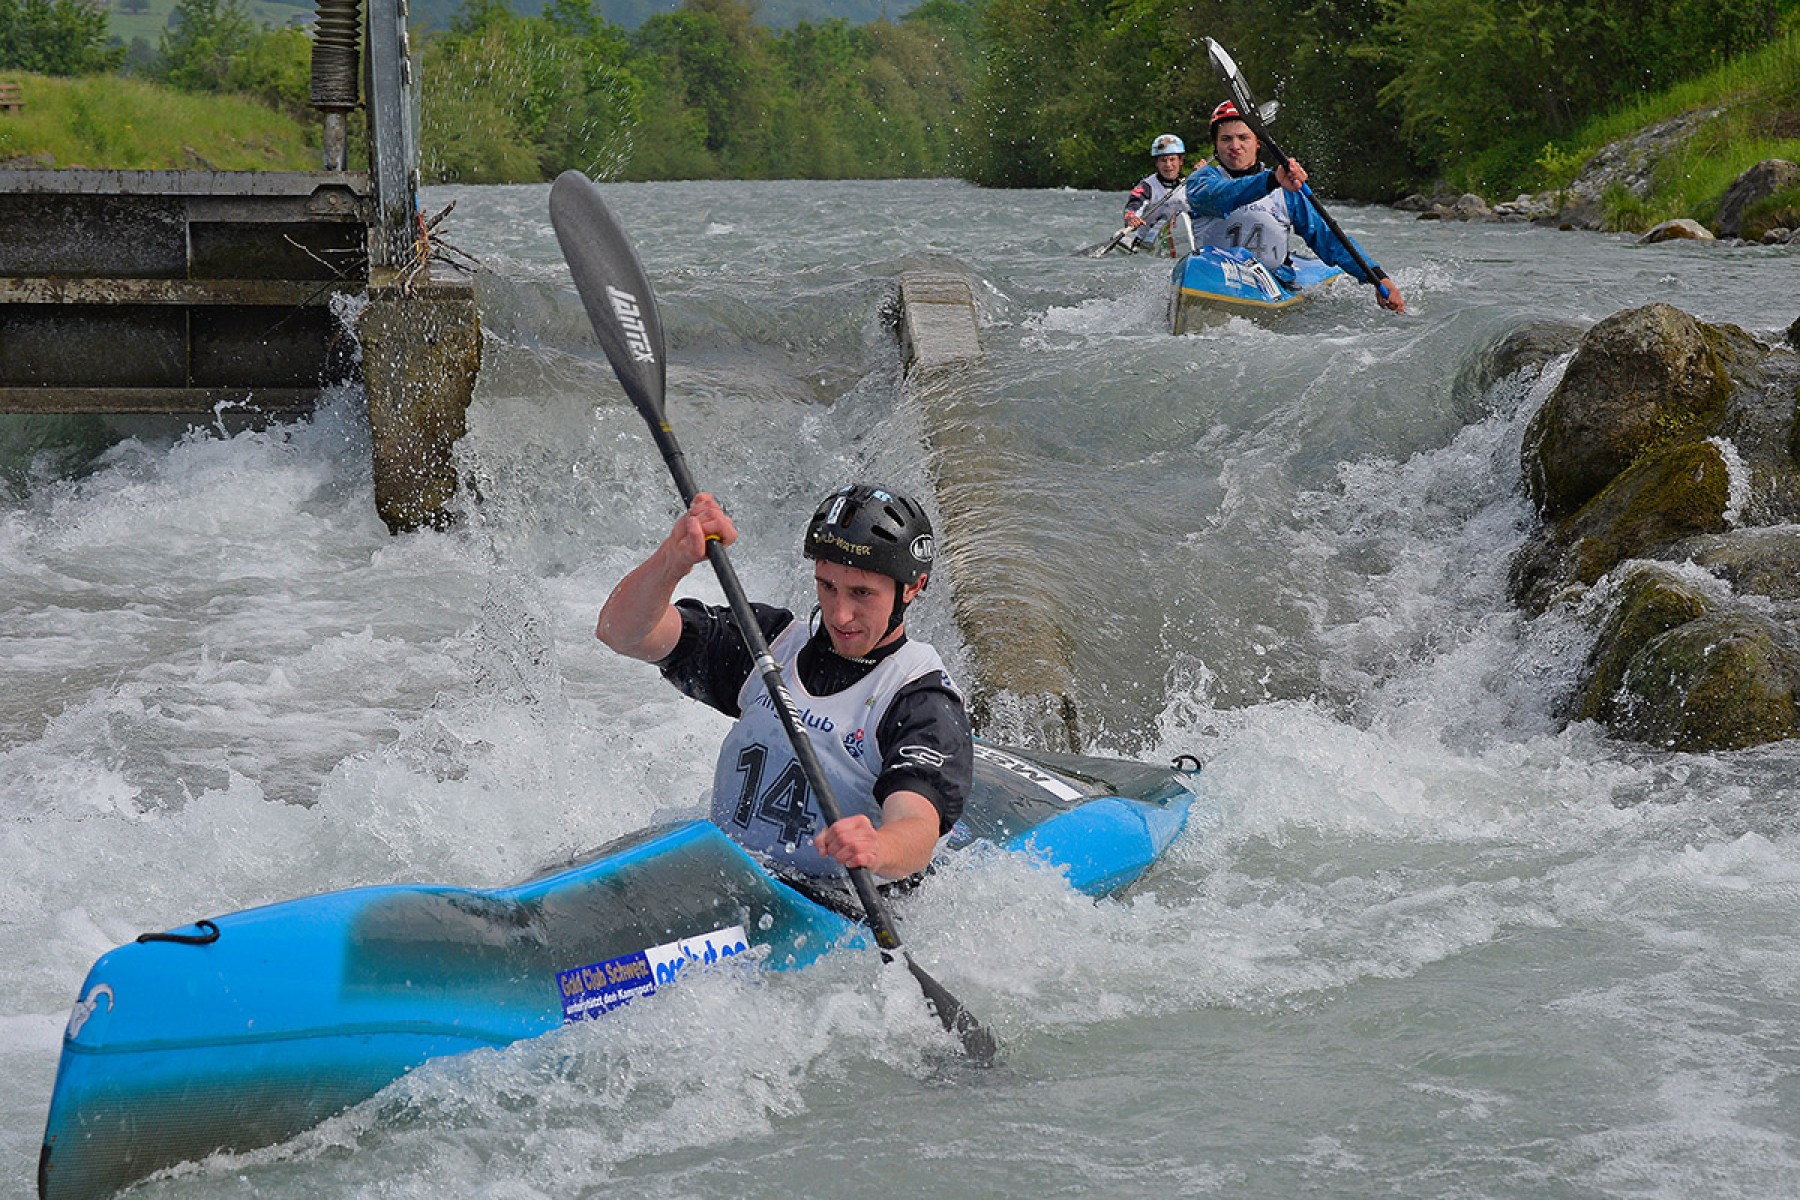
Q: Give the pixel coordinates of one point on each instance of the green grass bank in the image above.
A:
(1752, 107)
(117, 122)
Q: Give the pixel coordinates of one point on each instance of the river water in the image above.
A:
(1422, 944)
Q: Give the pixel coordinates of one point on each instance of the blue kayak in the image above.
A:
(244, 1030)
(1212, 283)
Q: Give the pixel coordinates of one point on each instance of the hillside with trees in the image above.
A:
(629, 14)
(702, 92)
(1379, 97)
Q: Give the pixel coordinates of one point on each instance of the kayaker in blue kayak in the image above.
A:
(889, 727)
(1237, 203)
(1145, 211)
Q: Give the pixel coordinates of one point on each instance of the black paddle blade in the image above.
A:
(1235, 82)
(617, 294)
(977, 1042)
(1233, 78)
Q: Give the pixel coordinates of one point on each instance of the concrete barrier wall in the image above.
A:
(1023, 686)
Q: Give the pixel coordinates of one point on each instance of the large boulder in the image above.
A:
(1641, 378)
(1763, 561)
(1652, 598)
(1627, 166)
(1518, 359)
(1767, 177)
(1722, 681)
(1686, 662)
(1680, 229)
(1667, 466)
(1669, 494)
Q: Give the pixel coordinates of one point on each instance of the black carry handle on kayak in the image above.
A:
(622, 307)
(1252, 116)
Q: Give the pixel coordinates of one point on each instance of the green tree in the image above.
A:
(1036, 55)
(825, 67)
(508, 98)
(275, 66)
(916, 91)
(55, 37)
(710, 59)
(201, 39)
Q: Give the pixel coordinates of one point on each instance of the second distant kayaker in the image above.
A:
(1154, 199)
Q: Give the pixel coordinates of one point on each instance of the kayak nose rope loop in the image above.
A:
(209, 933)
(1181, 760)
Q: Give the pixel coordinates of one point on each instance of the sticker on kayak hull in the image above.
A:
(1059, 788)
(600, 987)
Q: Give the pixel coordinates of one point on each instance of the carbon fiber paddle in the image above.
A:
(622, 307)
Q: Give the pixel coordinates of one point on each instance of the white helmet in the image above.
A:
(1166, 143)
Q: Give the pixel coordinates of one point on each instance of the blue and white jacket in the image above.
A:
(1215, 198)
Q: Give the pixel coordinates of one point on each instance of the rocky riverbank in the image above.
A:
(1757, 206)
(1665, 465)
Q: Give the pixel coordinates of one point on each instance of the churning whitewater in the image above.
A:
(1428, 943)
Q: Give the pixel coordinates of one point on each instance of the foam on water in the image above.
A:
(1418, 940)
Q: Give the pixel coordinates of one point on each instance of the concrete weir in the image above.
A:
(421, 349)
(209, 296)
(1024, 680)
(217, 294)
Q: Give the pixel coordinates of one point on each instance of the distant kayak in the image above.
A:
(245, 1030)
(1213, 283)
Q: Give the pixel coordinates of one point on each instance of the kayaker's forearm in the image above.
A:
(906, 846)
(1340, 252)
(900, 846)
(909, 834)
(639, 619)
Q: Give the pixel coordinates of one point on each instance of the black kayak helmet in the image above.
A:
(874, 528)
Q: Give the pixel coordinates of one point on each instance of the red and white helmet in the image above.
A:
(1225, 112)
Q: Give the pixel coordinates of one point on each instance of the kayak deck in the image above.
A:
(1213, 283)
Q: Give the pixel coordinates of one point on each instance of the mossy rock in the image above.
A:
(1723, 681)
(1764, 561)
(1517, 357)
(1757, 198)
(1652, 599)
(1668, 495)
(1642, 378)
(1794, 428)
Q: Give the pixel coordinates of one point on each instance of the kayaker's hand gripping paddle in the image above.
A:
(622, 307)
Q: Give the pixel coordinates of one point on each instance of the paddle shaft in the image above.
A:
(1178, 188)
(1174, 190)
(1281, 159)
